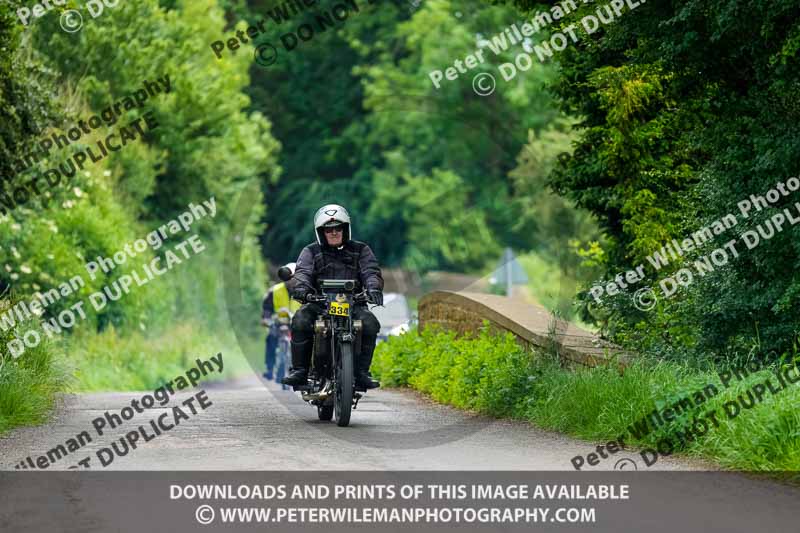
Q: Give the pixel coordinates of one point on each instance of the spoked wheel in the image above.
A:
(325, 412)
(343, 400)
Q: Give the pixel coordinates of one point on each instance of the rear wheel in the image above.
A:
(343, 400)
(325, 412)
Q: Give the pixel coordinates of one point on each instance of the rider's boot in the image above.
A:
(301, 360)
(363, 379)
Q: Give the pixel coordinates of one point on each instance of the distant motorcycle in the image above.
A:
(337, 337)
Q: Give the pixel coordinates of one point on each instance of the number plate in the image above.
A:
(339, 309)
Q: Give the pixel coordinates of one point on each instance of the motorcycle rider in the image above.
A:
(277, 298)
(335, 255)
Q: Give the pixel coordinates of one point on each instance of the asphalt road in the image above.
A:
(260, 434)
(253, 425)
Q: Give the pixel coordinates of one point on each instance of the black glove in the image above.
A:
(311, 297)
(375, 297)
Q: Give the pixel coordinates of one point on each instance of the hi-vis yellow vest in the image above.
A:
(280, 298)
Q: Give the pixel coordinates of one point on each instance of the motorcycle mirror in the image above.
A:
(284, 273)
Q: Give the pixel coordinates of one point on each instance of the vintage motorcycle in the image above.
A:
(337, 338)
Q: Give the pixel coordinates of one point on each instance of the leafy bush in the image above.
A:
(483, 373)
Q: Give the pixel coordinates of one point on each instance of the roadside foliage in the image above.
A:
(46, 241)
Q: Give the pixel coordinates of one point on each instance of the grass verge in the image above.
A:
(109, 361)
(29, 383)
(495, 376)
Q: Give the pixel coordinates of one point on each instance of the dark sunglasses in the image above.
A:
(334, 229)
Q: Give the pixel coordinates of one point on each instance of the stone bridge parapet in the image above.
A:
(533, 325)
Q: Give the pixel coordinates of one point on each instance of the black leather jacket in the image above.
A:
(354, 260)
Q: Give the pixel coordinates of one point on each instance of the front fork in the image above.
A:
(323, 335)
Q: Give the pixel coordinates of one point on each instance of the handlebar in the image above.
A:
(361, 297)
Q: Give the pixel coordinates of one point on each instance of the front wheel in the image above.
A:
(343, 400)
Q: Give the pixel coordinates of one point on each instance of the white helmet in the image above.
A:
(286, 272)
(332, 215)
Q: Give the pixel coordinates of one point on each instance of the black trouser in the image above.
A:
(303, 334)
(272, 345)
